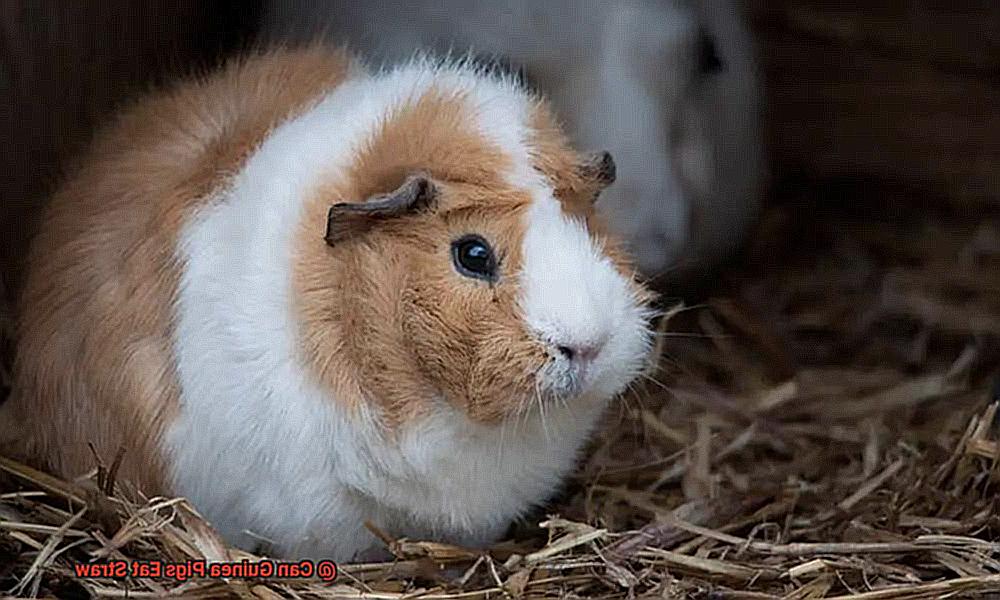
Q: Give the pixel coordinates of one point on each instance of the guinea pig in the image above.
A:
(306, 295)
(668, 86)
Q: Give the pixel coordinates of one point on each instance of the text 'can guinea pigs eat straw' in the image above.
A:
(306, 296)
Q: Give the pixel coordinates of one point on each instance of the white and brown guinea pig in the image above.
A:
(306, 296)
(670, 87)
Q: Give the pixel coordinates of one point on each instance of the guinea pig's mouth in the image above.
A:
(609, 349)
(597, 371)
(559, 384)
(562, 380)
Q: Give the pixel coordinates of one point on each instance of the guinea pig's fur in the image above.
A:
(249, 284)
(668, 86)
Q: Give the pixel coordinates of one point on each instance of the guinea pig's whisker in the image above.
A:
(682, 308)
(655, 381)
(693, 334)
(520, 415)
(545, 425)
(670, 360)
(623, 412)
(624, 398)
(541, 410)
(632, 393)
(503, 434)
(563, 401)
(677, 365)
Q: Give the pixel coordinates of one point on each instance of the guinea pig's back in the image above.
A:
(95, 358)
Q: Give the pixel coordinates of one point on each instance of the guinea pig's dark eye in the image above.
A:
(473, 257)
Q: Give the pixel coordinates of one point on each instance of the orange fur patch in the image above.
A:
(386, 319)
(95, 361)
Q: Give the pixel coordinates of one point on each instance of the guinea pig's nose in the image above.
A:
(583, 354)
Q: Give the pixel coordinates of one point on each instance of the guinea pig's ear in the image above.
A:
(347, 219)
(599, 167)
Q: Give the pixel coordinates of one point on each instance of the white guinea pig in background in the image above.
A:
(668, 86)
(306, 296)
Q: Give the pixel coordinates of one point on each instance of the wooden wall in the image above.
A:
(904, 92)
(66, 64)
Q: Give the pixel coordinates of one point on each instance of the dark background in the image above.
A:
(898, 96)
(65, 66)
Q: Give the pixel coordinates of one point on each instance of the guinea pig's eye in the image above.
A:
(708, 55)
(473, 257)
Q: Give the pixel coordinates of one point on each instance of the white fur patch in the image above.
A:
(573, 296)
(264, 453)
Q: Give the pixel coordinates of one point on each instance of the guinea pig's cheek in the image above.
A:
(504, 380)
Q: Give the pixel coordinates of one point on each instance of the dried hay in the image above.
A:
(823, 427)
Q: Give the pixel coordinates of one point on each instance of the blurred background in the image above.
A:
(881, 119)
(901, 95)
(829, 380)
(886, 114)
(66, 66)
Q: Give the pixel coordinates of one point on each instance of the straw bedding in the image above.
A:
(824, 425)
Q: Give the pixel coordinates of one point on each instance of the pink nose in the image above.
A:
(583, 354)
